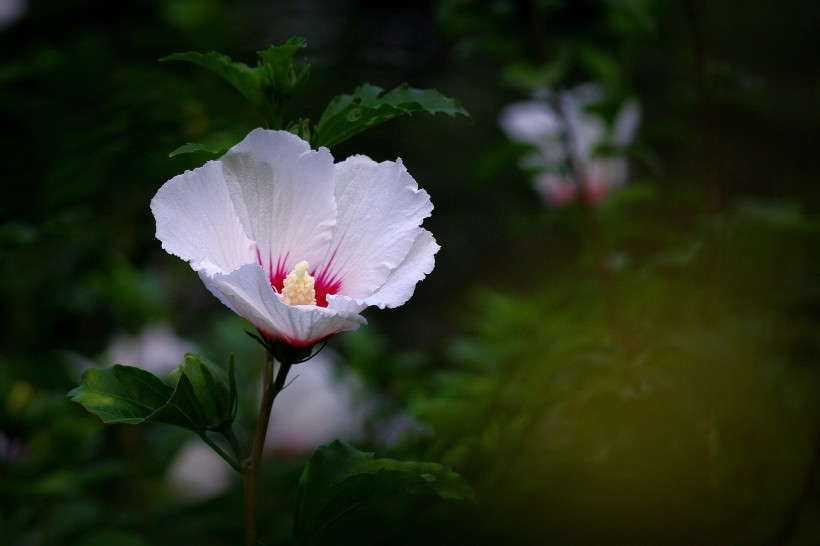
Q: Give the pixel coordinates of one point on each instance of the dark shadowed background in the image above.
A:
(642, 372)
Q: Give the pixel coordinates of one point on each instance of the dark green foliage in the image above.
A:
(339, 479)
(672, 399)
(202, 396)
(641, 405)
(124, 394)
(269, 85)
(266, 86)
(348, 115)
(243, 78)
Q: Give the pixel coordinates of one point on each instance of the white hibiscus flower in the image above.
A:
(297, 244)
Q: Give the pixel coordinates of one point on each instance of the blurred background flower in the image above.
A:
(578, 153)
(11, 11)
(197, 473)
(155, 348)
(323, 401)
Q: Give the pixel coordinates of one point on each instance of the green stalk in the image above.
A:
(250, 467)
(219, 451)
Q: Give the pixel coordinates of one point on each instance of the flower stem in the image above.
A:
(219, 451)
(236, 446)
(250, 467)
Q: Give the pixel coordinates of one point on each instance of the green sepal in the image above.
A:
(286, 353)
(214, 391)
(348, 115)
(300, 128)
(339, 478)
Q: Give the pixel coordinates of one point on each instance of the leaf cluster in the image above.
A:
(274, 80)
(339, 479)
(201, 397)
(593, 399)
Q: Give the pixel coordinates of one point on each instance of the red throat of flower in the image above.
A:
(303, 288)
(325, 285)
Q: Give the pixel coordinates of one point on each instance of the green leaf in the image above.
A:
(203, 397)
(340, 478)
(348, 115)
(129, 395)
(191, 148)
(267, 86)
(239, 75)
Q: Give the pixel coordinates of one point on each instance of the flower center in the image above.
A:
(298, 287)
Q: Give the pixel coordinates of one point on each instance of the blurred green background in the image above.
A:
(645, 372)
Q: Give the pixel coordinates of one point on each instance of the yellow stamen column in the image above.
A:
(298, 287)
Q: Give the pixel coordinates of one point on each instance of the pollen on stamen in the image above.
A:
(298, 287)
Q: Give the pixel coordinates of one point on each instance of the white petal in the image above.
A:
(380, 209)
(585, 130)
(197, 221)
(248, 293)
(530, 122)
(399, 286)
(626, 125)
(344, 305)
(283, 193)
(402, 281)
